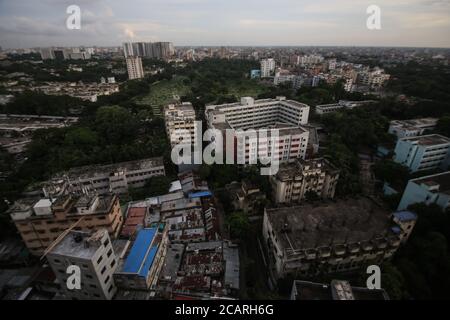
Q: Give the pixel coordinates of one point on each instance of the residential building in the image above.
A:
(155, 50)
(116, 178)
(295, 180)
(338, 290)
(140, 269)
(328, 108)
(134, 68)
(276, 116)
(246, 196)
(40, 221)
(208, 270)
(330, 237)
(283, 76)
(47, 53)
(422, 153)
(412, 128)
(267, 68)
(433, 189)
(180, 123)
(94, 255)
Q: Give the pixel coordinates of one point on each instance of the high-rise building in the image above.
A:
(267, 67)
(284, 116)
(295, 180)
(180, 123)
(155, 50)
(47, 53)
(94, 255)
(134, 67)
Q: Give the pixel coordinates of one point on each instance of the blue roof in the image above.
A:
(200, 194)
(138, 258)
(405, 215)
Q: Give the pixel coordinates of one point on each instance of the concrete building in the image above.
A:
(323, 238)
(246, 196)
(154, 50)
(421, 153)
(338, 290)
(141, 268)
(134, 68)
(208, 269)
(180, 123)
(94, 255)
(40, 221)
(430, 189)
(267, 68)
(286, 116)
(116, 178)
(328, 108)
(295, 180)
(47, 53)
(411, 128)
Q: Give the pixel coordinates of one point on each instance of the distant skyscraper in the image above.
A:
(267, 67)
(156, 50)
(134, 67)
(47, 54)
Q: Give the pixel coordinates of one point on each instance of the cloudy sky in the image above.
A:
(30, 23)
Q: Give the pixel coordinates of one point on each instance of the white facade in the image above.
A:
(286, 116)
(94, 255)
(134, 67)
(267, 67)
(411, 128)
(180, 123)
(423, 152)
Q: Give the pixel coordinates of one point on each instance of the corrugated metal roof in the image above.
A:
(138, 255)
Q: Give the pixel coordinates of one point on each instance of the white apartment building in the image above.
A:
(267, 67)
(180, 123)
(94, 255)
(285, 115)
(411, 128)
(294, 180)
(134, 67)
(423, 152)
(328, 108)
(116, 178)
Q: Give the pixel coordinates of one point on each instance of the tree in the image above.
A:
(239, 224)
(443, 126)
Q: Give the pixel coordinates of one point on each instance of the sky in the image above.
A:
(411, 23)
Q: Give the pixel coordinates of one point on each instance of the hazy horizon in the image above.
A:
(251, 23)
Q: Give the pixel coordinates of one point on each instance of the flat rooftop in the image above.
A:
(337, 290)
(142, 254)
(326, 223)
(89, 171)
(441, 179)
(289, 170)
(74, 244)
(428, 140)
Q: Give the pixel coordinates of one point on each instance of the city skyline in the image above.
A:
(405, 23)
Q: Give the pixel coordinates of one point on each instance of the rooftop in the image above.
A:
(326, 223)
(90, 171)
(440, 182)
(428, 140)
(289, 170)
(79, 244)
(337, 290)
(142, 253)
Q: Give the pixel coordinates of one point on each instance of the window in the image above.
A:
(103, 270)
(109, 253)
(113, 263)
(99, 259)
(106, 242)
(107, 279)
